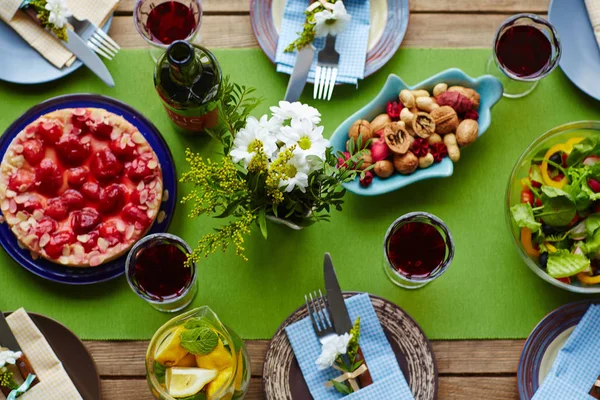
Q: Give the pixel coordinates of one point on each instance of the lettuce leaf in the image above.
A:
(563, 264)
(592, 223)
(523, 215)
(581, 150)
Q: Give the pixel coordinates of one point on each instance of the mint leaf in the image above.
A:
(523, 215)
(159, 372)
(581, 150)
(197, 323)
(199, 341)
(563, 264)
(198, 396)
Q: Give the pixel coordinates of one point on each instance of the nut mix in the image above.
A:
(417, 130)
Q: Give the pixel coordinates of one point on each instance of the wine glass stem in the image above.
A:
(513, 89)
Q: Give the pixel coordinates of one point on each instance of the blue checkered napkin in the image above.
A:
(388, 380)
(352, 43)
(577, 365)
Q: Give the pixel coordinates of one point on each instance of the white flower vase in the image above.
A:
(289, 223)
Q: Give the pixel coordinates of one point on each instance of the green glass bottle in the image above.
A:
(188, 80)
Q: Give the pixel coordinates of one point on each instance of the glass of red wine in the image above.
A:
(161, 22)
(418, 248)
(157, 272)
(526, 49)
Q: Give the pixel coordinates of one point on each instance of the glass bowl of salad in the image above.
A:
(195, 357)
(553, 206)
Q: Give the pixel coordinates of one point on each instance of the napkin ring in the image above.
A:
(595, 390)
(348, 376)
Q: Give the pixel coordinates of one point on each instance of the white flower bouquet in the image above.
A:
(276, 167)
(52, 15)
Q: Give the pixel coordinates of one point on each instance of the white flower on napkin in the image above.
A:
(307, 137)
(58, 12)
(9, 357)
(297, 112)
(333, 347)
(255, 132)
(331, 22)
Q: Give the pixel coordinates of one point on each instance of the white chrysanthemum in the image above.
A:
(296, 170)
(59, 12)
(308, 139)
(254, 132)
(333, 346)
(331, 22)
(297, 112)
(9, 357)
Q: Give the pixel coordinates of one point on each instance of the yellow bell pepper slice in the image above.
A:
(573, 141)
(544, 168)
(527, 244)
(588, 279)
(550, 247)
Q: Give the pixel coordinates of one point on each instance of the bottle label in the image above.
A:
(193, 122)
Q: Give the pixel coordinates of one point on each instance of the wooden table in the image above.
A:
(468, 369)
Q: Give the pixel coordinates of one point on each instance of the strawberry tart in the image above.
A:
(80, 186)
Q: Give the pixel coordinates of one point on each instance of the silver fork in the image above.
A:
(327, 70)
(319, 316)
(96, 38)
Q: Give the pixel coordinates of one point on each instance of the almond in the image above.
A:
(160, 218)
(44, 240)
(137, 138)
(83, 238)
(129, 232)
(102, 244)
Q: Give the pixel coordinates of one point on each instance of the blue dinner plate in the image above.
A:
(580, 59)
(104, 272)
(22, 64)
(542, 346)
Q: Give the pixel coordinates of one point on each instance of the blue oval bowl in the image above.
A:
(489, 88)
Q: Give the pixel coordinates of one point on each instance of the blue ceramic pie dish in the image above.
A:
(113, 269)
(488, 87)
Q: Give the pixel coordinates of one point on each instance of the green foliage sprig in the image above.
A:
(43, 16)
(7, 379)
(307, 36)
(349, 363)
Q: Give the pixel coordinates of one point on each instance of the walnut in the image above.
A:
(397, 138)
(384, 168)
(406, 164)
(361, 128)
(423, 125)
(380, 122)
(446, 120)
(469, 93)
(467, 132)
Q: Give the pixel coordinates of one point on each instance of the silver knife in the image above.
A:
(77, 46)
(299, 76)
(337, 307)
(8, 340)
(338, 311)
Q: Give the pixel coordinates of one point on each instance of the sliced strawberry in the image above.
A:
(33, 151)
(44, 225)
(134, 214)
(72, 199)
(92, 241)
(125, 151)
(57, 241)
(48, 178)
(112, 198)
(109, 232)
(91, 191)
(80, 119)
(50, 131)
(138, 170)
(21, 181)
(101, 129)
(85, 220)
(105, 166)
(77, 176)
(56, 209)
(72, 151)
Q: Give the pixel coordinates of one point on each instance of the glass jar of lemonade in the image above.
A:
(195, 357)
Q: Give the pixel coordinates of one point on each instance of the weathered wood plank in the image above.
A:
(451, 388)
(489, 6)
(453, 357)
(424, 30)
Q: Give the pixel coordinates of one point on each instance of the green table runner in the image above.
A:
(487, 292)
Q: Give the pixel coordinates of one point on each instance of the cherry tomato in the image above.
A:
(566, 280)
(527, 196)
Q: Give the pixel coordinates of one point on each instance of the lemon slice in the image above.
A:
(170, 352)
(218, 359)
(187, 361)
(219, 382)
(185, 382)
